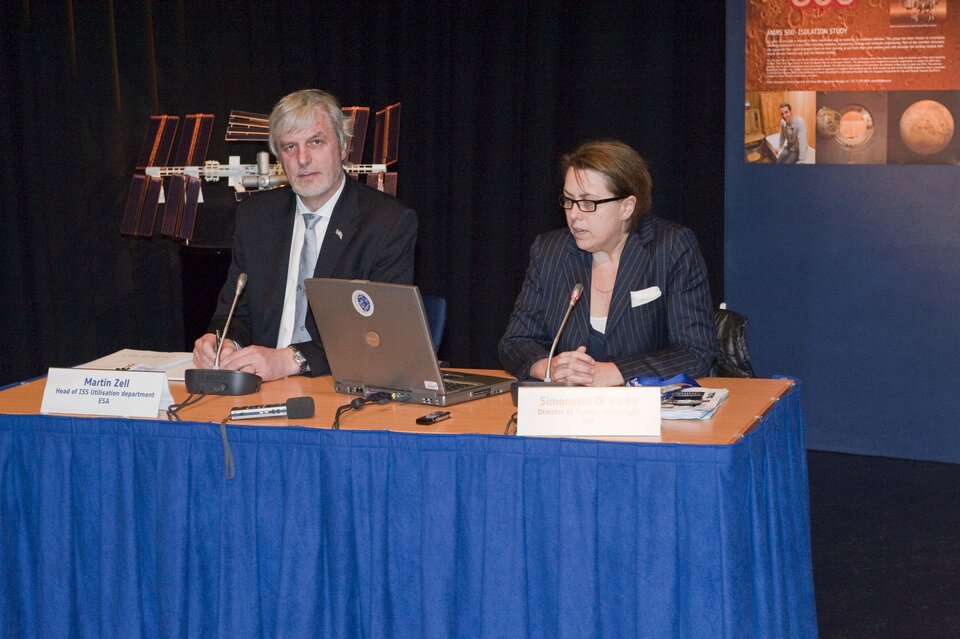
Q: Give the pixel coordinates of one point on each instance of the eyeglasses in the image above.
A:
(587, 206)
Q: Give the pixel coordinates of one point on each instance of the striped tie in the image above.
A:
(308, 262)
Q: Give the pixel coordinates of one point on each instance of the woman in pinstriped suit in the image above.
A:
(646, 307)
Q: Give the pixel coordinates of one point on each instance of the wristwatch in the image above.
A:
(300, 360)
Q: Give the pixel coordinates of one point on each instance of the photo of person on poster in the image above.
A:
(793, 137)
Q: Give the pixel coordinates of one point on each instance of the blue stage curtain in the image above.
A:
(117, 528)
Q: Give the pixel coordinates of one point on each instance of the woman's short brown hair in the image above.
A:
(625, 171)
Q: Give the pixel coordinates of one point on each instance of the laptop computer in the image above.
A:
(377, 339)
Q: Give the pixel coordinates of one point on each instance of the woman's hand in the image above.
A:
(576, 367)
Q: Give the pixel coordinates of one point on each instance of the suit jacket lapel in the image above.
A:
(342, 227)
(278, 253)
(577, 269)
(634, 260)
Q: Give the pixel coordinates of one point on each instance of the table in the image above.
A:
(115, 527)
(750, 398)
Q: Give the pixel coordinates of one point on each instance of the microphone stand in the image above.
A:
(574, 298)
(514, 387)
(203, 381)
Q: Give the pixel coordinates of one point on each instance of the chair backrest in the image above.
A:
(436, 308)
(733, 357)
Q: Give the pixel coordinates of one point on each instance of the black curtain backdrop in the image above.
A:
(492, 93)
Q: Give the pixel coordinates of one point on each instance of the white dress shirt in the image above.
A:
(293, 264)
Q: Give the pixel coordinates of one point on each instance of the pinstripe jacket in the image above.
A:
(646, 334)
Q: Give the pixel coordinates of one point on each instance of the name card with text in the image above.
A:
(581, 411)
(78, 391)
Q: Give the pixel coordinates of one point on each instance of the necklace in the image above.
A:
(611, 267)
(600, 290)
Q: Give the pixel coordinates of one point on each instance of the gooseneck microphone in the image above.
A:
(214, 381)
(293, 408)
(574, 298)
(515, 386)
(241, 283)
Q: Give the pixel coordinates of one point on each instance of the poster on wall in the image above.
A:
(852, 82)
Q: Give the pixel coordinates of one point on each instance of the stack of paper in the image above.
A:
(174, 364)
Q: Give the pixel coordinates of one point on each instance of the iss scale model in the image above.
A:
(188, 168)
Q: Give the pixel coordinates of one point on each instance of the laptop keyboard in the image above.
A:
(455, 386)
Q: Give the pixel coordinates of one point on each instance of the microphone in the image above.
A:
(574, 298)
(515, 386)
(241, 283)
(293, 408)
(214, 381)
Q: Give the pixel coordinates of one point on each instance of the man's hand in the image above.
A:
(268, 363)
(205, 350)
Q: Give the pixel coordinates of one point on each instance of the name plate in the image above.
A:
(582, 411)
(103, 392)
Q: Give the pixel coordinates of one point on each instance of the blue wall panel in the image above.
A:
(850, 279)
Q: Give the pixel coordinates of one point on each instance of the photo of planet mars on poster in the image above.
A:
(852, 82)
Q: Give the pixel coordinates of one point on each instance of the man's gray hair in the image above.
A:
(297, 110)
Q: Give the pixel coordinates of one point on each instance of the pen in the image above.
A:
(216, 359)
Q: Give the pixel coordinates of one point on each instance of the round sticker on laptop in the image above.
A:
(363, 303)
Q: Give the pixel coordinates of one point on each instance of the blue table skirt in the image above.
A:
(116, 528)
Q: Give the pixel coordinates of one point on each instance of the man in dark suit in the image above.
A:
(325, 225)
(646, 308)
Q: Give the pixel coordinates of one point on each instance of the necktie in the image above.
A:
(308, 262)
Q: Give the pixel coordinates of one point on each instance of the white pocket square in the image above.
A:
(645, 296)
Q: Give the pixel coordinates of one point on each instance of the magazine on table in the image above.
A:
(691, 402)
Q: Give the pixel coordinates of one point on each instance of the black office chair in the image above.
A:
(436, 308)
(733, 357)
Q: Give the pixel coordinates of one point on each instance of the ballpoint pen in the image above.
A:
(216, 360)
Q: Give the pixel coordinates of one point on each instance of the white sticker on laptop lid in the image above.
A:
(363, 303)
(431, 385)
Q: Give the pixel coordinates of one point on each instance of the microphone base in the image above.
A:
(206, 381)
(515, 386)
